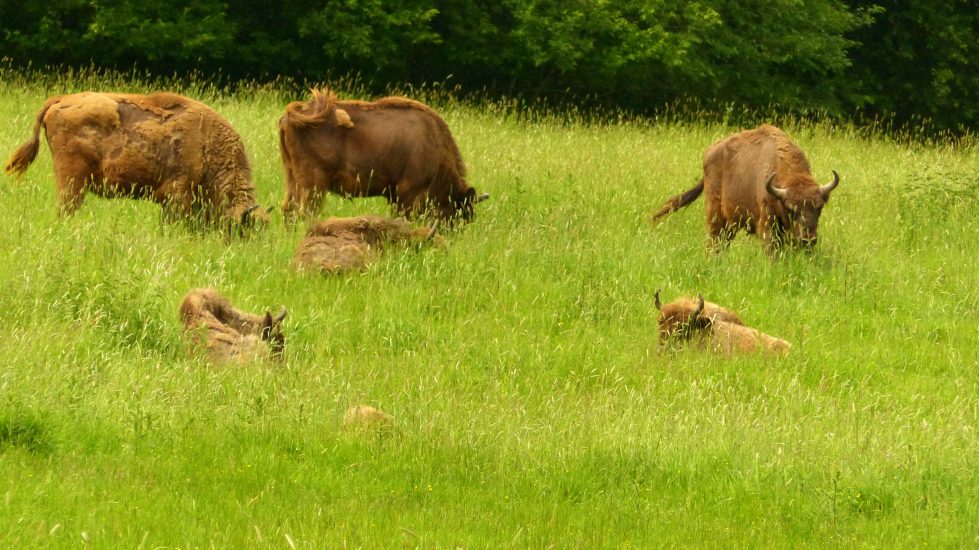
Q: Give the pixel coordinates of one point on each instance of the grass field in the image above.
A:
(520, 360)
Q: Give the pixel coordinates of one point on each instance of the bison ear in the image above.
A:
(343, 119)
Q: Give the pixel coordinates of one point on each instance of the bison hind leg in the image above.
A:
(71, 178)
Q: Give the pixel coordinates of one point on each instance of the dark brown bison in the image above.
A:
(173, 150)
(394, 147)
(339, 245)
(228, 334)
(712, 327)
(760, 181)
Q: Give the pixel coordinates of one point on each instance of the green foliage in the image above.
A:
(918, 63)
(894, 60)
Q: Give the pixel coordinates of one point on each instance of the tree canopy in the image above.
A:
(896, 59)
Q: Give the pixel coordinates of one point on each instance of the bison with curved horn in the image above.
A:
(395, 147)
(712, 327)
(759, 181)
(227, 334)
(165, 147)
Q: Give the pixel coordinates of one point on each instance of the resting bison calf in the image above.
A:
(164, 147)
(394, 147)
(759, 181)
(229, 334)
(363, 418)
(338, 245)
(713, 327)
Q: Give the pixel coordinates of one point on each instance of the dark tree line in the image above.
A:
(902, 60)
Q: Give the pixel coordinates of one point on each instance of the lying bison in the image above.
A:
(394, 147)
(364, 418)
(339, 245)
(713, 327)
(164, 147)
(760, 181)
(228, 334)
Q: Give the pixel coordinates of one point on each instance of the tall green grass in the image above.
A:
(520, 361)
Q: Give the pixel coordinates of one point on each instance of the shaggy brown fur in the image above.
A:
(362, 418)
(394, 147)
(228, 334)
(338, 245)
(758, 180)
(173, 150)
(712, 327)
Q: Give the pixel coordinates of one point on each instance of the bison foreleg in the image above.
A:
(773, 236)
(719, 234)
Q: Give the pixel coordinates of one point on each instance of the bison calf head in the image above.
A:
(803, 203)
(271, 331)
(684, 318)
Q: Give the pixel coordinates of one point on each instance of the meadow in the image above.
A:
(520, 360)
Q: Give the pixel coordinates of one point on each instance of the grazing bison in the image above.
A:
(338, 245)
(760, 181)
(713, 327)
(228, 334)
(394, 147)
(165, 147)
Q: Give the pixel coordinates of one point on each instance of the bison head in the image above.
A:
(464, 206)
(681, 318)
(271, 331)
(803, 204)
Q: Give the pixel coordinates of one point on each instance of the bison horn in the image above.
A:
(435, 228)
(659, 304)
(825, 190)
(481, 197)
(700, 307)
(775, 191)
(282, 315)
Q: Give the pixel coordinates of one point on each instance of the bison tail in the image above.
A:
(679, 201)
(26, 153)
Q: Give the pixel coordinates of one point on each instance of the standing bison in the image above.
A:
(341, 245)
(394, 147)
(228, 334)
(760, 181)
(173, 150)
(713, 327)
